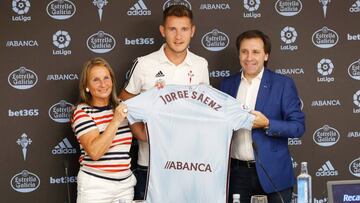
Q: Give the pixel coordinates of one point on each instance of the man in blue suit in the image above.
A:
(260, 158)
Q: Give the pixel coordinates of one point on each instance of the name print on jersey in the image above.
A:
(185, 94)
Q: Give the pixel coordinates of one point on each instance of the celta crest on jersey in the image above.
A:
(185, 94)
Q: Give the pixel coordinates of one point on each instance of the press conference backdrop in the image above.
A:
(45, 43)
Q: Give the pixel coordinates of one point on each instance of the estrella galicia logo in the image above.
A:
(215, 40)
(101, 42)
(176, 2)
(61, 9)
(354, 167)
(288, 7)
(21, 7)
(25, 182)
(22, 78)
(326, 136)
(325, 38)
(60, 112)
(354, 70)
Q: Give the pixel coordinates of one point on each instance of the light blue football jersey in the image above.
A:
(189, 133)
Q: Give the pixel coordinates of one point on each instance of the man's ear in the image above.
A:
(162, 30)
(193, 28)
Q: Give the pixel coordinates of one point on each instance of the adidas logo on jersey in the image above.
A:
(355, 7)
(159, 74)
(64, 147)
(139, 9)
(327, 169)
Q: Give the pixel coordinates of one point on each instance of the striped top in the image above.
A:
(115, 163)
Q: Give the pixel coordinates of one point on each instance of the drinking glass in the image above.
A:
(259, 199)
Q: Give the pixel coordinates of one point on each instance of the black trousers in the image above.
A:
(244, 181)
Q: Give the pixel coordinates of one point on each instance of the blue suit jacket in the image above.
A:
(278, 100)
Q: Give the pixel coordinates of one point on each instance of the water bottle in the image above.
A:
(236, 198)
(304, 185)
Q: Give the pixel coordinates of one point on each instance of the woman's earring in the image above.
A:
(87, 90)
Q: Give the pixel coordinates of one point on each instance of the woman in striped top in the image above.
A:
(100, 125)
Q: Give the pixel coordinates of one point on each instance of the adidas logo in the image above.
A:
(139, 9)
(355, 7)
(64, 147)
(327, 170)
(159, 74)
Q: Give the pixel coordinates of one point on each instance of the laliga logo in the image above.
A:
(215, 40)
(22, 79)
(60, 112)
(21, 6)
(354, 167)
(288, 35)
(354, 70)
(325, 38)
(25, 182)
(100, 42)
(288, 7)
(326, 136)
(251, 5)
(355, 7)
(325, 67)
(176, 2)
(61, 39)
(61, 9)
(357, 98)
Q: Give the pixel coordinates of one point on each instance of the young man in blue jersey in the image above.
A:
(260, 158)
(173, 63)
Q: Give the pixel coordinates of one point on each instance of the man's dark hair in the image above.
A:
(250, 34)
(178, 11)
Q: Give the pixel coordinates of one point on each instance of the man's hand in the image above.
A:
(261, 121)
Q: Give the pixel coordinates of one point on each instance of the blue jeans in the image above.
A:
(245, 181)
(141, 176)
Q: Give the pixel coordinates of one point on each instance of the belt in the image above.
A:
(247, 164)
(106, 178)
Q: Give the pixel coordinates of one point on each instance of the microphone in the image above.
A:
(266, 173)
(66, 167)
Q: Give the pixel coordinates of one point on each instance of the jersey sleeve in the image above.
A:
(81, 122)
(238, 115)
(139, 106)
(134, 83)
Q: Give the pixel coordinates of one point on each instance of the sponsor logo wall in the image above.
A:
(45, 44)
